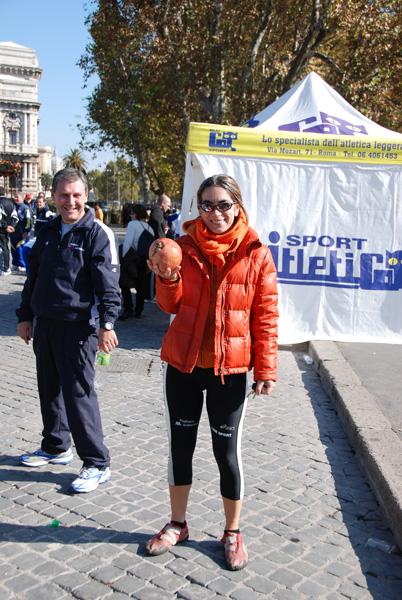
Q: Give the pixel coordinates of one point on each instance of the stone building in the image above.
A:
(19, 108)
(57, 162)
(45, 159)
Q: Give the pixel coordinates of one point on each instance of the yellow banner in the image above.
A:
(204, 138)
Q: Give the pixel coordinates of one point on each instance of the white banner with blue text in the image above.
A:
(334, 230)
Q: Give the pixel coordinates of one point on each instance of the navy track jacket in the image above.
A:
(73, 278)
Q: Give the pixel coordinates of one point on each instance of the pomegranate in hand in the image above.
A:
(165, 253)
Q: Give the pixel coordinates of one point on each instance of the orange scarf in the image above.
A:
(217, 246)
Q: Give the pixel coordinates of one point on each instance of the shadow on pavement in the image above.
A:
(355, 514)
(77, 534)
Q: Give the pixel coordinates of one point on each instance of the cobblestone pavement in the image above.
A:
(309, 513)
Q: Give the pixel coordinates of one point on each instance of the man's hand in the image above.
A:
(107, 340)
(10, 229)
(24, 330)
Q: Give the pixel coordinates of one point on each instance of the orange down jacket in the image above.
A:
(246, 311)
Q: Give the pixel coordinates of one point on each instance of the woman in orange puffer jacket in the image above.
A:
(224, 299)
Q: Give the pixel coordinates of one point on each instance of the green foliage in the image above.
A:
(75, 160)
(46, 181)
(367, 59)
(119, 181)
(163, 64)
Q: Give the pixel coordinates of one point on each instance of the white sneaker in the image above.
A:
(89, 479)
(3, 273)
(40, 458)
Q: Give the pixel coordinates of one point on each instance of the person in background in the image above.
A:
(19, 237)
(126, 214)
(32, 209)
(43, 214)
(72, 289)
(173, 220)
(28, 200)
(157, 218)
(224, 298)
(8, 221)
(33, 205)
(98, 212)
(138, 280)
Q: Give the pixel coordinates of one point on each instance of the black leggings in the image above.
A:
(226, 406)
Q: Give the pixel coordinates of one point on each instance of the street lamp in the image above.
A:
(93, 186)
(107, 184)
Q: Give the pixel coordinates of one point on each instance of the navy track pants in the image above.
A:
(65, 357)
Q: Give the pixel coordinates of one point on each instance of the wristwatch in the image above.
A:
(108, 326)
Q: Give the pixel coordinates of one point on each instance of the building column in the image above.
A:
(29, 141)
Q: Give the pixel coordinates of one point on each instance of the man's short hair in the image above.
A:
(164, 198)
(71, 175)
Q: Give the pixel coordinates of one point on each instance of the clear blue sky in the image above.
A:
(55, 29)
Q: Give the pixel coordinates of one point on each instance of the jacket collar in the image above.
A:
(86, 222)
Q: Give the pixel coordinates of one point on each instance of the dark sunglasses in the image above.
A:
(222, 206)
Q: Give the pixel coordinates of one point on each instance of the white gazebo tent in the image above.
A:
(322, 185)
(313, 106)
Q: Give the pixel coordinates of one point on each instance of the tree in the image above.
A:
(75, 160)
(162, 64)
(117, 181)
(46, 181)
(367, 59)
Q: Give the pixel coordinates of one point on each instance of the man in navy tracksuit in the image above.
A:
(72, 289)
(42, 214)
(8, 222)
(19, 237)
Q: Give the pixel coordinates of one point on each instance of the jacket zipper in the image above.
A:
(221, 369)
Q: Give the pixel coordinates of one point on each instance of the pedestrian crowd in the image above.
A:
(20, 222)
(223, 297)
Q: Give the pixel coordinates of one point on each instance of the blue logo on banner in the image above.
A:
(222, 140)
(325, 124)
(329, 124)
(253, 122)
(343, 265)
